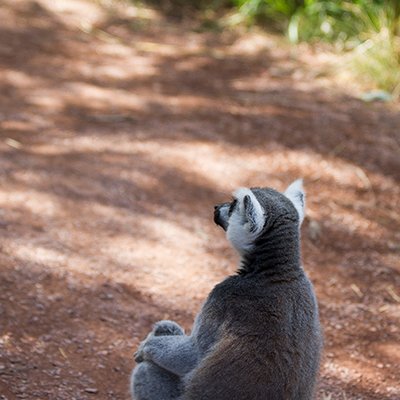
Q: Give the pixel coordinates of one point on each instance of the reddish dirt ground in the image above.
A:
(120, 129)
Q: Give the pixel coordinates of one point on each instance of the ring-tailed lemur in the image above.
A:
(257, 336)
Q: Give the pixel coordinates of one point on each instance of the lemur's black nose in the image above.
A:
(217, 217)
(216, 214)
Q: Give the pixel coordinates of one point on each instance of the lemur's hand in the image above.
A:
(161, 328)
(139, 354)
(167, 328)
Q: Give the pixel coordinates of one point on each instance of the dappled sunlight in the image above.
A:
(102, 98)
(38, 203)
(389, 350)
(120, 130)
(20, 79)
(349, 372)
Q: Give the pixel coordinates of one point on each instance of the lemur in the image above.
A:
(257, 336)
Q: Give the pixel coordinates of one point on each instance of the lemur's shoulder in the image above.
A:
(255, 286)
(236, 287)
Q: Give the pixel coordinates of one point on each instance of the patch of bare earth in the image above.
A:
(119, 132)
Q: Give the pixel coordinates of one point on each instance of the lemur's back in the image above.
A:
(268, 343)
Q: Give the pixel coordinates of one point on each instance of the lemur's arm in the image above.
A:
(169, 348)
(176, 354)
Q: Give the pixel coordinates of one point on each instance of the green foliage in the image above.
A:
(378, 60)
(277, 12)
(343, 21)
(369, 28)
(322, 19)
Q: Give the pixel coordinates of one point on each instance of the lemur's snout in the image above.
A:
(223, 223)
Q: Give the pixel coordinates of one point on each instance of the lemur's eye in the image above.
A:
(232, 206)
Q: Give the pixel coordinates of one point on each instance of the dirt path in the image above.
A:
(119, 132)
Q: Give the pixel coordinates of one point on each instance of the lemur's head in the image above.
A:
(253, 211)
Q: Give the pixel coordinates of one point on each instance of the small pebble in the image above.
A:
(91, 390)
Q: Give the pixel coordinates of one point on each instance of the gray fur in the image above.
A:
(257, 336)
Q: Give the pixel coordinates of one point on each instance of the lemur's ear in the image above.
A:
(295, 193)
(252, 210)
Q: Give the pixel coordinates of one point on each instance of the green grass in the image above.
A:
(378, 60)
(368, 29)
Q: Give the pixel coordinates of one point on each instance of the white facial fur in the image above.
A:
(295, 193)
(245, 223)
